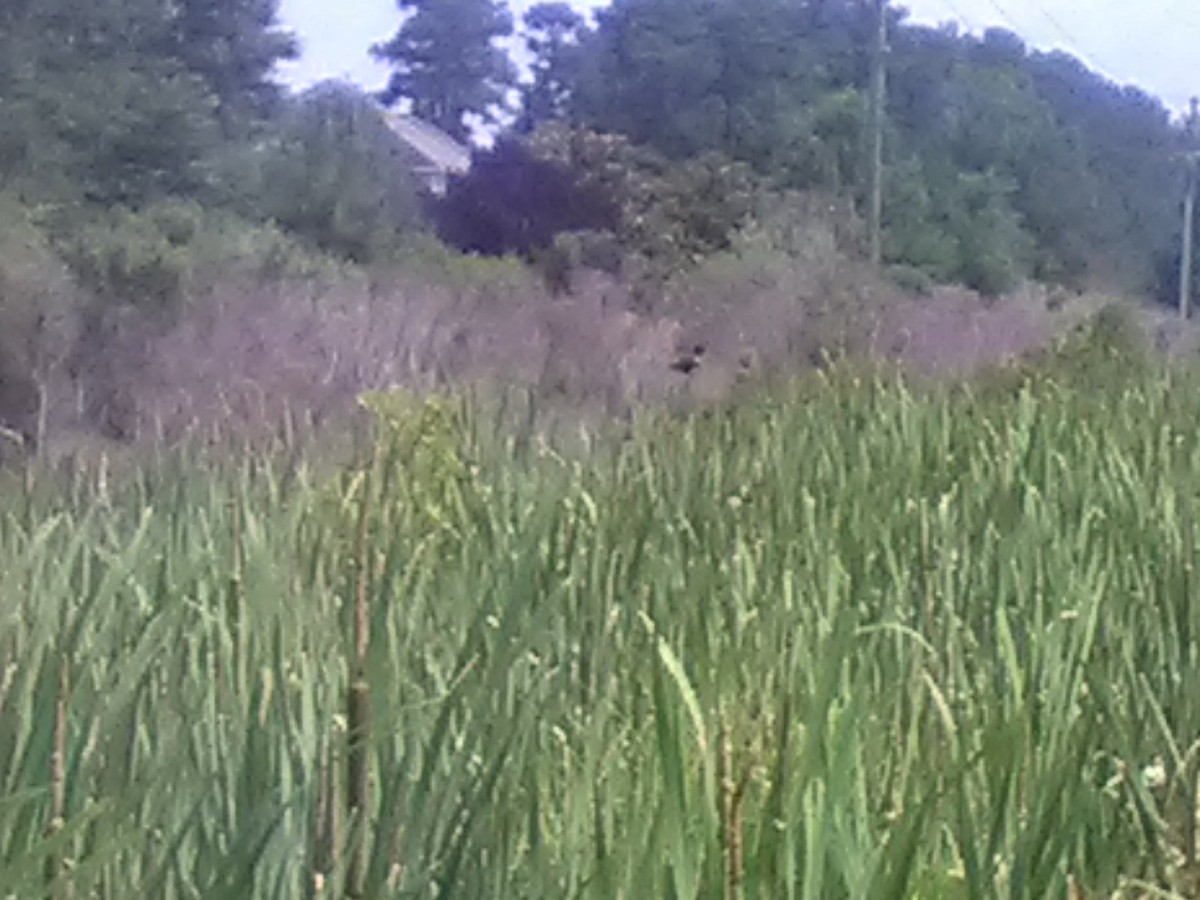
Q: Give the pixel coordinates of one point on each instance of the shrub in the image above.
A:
(126, 256)
(673, 212)
(130, 276)
(515, 202)
(38, 322)
(957, 226)
(995, 252)
(598, 251)
(336, 176)
(153, 258)
(423, 259)
(912, 279)
(568, 197)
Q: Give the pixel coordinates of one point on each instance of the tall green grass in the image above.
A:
(856, 640)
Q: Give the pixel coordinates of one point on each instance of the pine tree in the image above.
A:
(447, 63)
(552, 36)
(234, 46)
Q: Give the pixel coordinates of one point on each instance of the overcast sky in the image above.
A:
(1150, 43)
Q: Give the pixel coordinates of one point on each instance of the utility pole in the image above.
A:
(878, 102)
(1189, 211)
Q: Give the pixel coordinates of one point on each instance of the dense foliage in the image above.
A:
(447, 62)
(1002, 163)
(336, 175)
(561, 185)
(145, 142)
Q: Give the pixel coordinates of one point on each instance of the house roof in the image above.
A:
(439, 150)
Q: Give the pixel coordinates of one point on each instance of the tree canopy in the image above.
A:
(1002, 162)
(552, 32)
(446, 60)
(119, 101)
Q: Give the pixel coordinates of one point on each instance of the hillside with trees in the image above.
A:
(1003, 163)
(151, 166)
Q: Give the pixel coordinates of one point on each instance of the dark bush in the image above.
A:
(570, 198)
(513, 202)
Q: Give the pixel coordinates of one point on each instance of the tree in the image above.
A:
(96, 107)
(553, 32)
(121, 101)
(521, 196)
(234, 46)
(742, 79)
(338, 176)
(512, 201)
(447, 63)
(1129, 141)
(1073, 163)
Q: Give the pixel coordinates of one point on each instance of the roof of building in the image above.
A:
(437, 147)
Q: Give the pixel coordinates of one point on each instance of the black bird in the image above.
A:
(687, 362)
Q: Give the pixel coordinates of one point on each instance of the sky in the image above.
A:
(1149, 43)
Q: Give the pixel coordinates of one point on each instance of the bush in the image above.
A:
(515, 202)
(674, 213)
(911, 279)
(574, 251)
(126, 256)
(957, 226)
(130, 275)
(995, 252)
(570, 197)
(38, 322)
(336, 176)
(153, 258)
(914, 233)
(423, 259)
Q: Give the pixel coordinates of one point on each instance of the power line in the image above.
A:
(1072, 41)
(958, 12)
(1004, 14)
(1053, 20)
(1076, 46)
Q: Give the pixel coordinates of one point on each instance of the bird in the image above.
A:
(687, 361)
